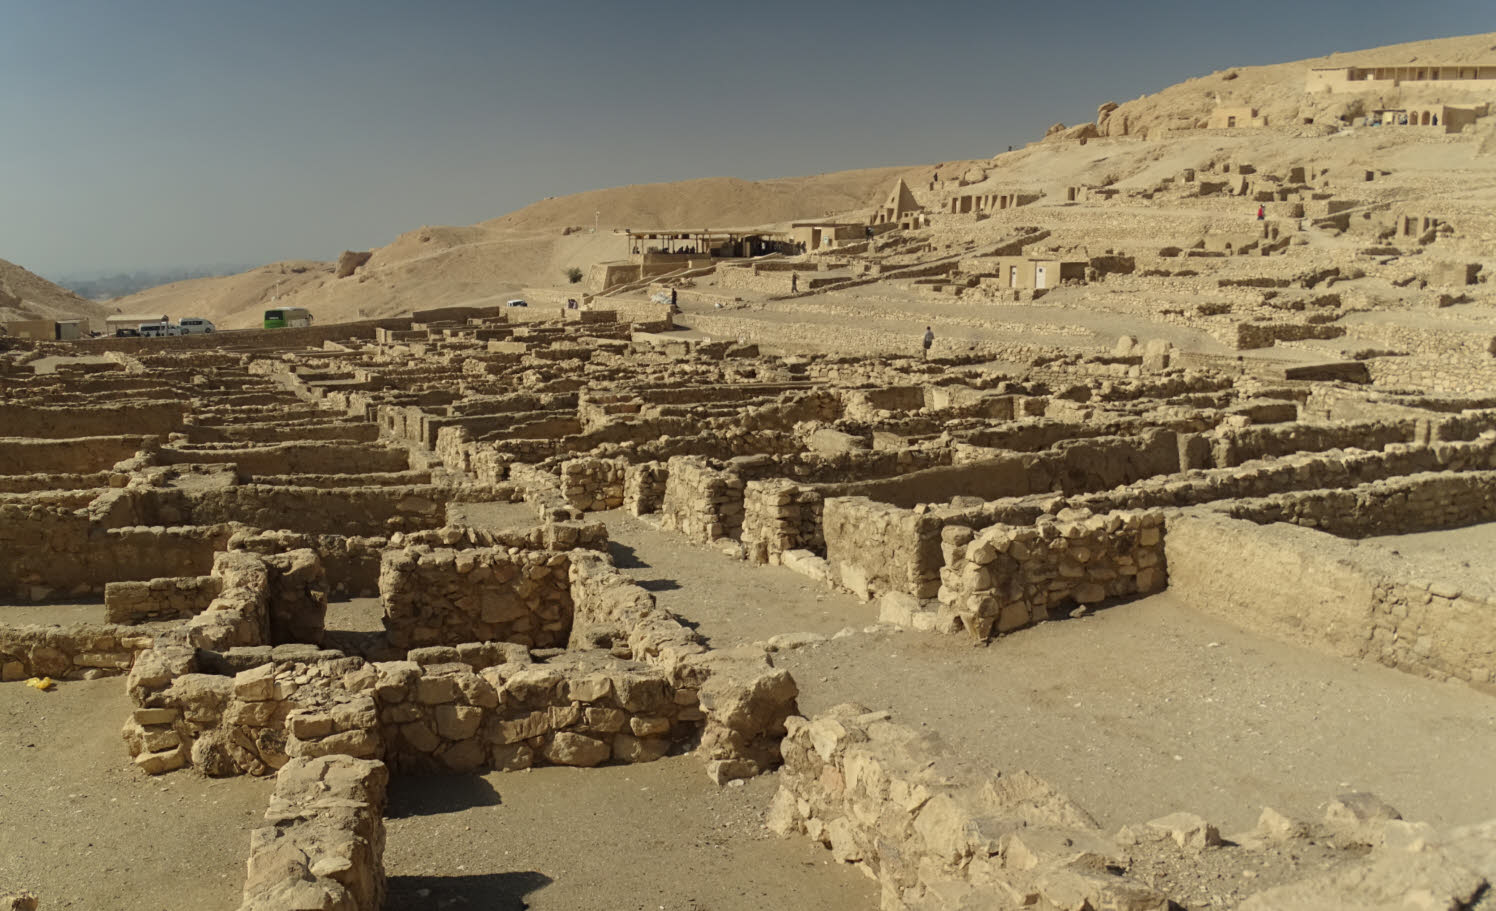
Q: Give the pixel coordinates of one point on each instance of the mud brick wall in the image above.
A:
(329, 457)
(1300, 471)
(77, 651)
(346, 511)
(94, 419)
(443, 597)
(1004, 578)
(38, 483)
(52, 550)
(1343, 601)
(158, 599)
(1233, 446)
(82, 456)
(283, 432)
(934, 833)
(644, 487)
(323, 847)
(593, 484)
(779, 516)
(702, 503)
(1420, 502)
(874, 548)
(1072, 466)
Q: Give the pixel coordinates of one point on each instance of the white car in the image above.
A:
(195, 325)
(158, 329)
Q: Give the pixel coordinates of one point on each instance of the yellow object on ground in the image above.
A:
(41, 683)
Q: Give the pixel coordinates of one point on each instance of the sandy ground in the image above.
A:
(651, 836)
(1148, 708)
(730, 602)
(1459, 555)
(81, 828)
(1138, 711)
(52, 613)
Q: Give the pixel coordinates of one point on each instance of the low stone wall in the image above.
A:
(936, 834)
(157, 418)
(444, 597)
(80, 456)
(873, 548)
(1309, 588)
(702, 503)
(644, 487)
(52, 550)
(323, 849)
(1005, 578)
(1420, 502)
(77, 651)
(159, 599)
(1233, 446)
(593, 484)
(780, 516)
(326, 457)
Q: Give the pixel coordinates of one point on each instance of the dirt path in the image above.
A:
(53, 614)
(658, 835)
(1149, 708)
(730, 602)
(83, 829)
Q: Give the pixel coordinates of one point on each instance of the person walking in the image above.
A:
(1261, 213)
(794, 282)
(929, 340)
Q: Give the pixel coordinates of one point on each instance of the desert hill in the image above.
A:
(1277, 90)
(487, 262)
(25, 295)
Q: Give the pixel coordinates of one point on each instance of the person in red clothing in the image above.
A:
(1261, 213)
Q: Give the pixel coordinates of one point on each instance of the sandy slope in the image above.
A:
(26, 295)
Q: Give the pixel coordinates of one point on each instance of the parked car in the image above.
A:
(127, 333)
(195, 325)
(158, 329)
(517, 303)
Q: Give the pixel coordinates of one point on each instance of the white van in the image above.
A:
(158, 329)
(195, 325)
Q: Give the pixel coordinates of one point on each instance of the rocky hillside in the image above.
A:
(26, 295)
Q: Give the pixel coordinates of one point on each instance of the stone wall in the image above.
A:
(593, 484)
(644, 487)
(75, 651)
(780, 516)
(80, 455)
(324, 457)
(444, 597)
(52, 550)
(1421, 502)
(157, 418)
(873, 547)
(702, 503)
(323, 849)
(1233, 446)
(1005, 577)
(937, 834)
(1309, 588)
(158, 599)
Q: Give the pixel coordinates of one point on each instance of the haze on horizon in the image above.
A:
(166, 133)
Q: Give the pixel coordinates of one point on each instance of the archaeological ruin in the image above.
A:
(1157, 575)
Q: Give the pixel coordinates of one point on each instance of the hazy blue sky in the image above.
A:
(149, 133)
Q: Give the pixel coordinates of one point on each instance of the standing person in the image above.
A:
(794, 282)
(672, 298)
(929, 340)
(1261, 213)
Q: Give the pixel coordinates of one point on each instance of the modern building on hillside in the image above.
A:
(1227, 118)
(1476, 77)
(1450, 118)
